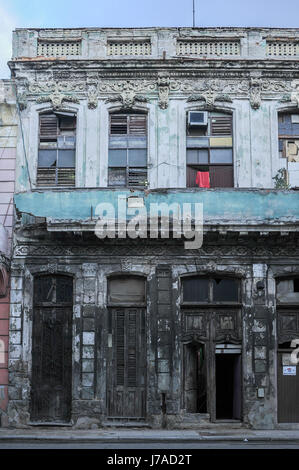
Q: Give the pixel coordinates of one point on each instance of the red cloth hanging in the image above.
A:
(203, 179)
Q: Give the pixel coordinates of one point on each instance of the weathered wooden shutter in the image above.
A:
(137, 124)
(48, 126)
(221, 125)
(118, 124)
(120, 347)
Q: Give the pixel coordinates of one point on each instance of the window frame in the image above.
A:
(211, 302)
(57, 147)
(128, 147)
(208, 134)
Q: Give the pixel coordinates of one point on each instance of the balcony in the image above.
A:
(225, 210)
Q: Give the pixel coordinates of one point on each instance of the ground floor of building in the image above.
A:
(124, 331)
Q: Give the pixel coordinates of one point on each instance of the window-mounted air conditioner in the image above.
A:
(197, 118)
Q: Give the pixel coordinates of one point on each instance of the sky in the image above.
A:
(134, 13)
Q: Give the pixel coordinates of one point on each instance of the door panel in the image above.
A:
(288, 393)
(51, 364)
(126, 371)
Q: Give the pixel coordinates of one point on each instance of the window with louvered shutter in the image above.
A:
(221, 125)
(128, 150)
(210, 149)
(56, 155)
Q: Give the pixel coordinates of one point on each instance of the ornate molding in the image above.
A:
(152, 249)
(57, 98)
(163, 83)
(92, 97)
(255, 93)
(210, 97)
(127, 99)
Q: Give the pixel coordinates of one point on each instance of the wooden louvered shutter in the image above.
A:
(132, 365)
(120, 347)
(48, 126)
(118, 124)
(137, 124)
(221, 125)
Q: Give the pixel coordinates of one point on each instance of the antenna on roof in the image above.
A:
(193, 13)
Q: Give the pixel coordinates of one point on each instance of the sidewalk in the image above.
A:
(145, 435)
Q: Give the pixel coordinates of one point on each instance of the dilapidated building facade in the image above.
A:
(8, 143)
(124, 329)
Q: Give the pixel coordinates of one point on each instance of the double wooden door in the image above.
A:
(126, 367)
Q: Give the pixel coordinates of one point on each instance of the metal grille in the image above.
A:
(282, 48)
(59, 48)
(129, 48)
(201, 47)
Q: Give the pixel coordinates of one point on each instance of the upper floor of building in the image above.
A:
(155, 43)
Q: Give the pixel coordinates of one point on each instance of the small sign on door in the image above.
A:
(289, 370)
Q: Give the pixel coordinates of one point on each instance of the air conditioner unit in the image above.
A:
(197, 118)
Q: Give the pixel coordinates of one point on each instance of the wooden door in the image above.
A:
(287, 390)
(52, 350)
(126, 368)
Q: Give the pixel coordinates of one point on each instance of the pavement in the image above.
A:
(135, 435)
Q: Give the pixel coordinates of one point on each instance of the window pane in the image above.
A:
(288, 291)
(66, 158)
(197, 156)
(66, 142)
(192, 156)
(117, 176)
(127, 290)
(47, 158)
(138, 157)
(118, 158)
(225, 290)
(221, 155)
(195, 290)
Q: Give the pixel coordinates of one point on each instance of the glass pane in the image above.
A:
(64, 289)
(47, 158)
(117, 176)
(225, 290)
(66, 158)
(221, 155)
(196, 290)
(203, 156)
(127, 290)
(138, 157)
(44, 289)
(192, 156)
(118, 158)
(287, 291)
(66, 142)
(197, 156)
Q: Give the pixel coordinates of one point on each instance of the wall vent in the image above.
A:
(129, 48)
(208, 47)
(58, 48)
(282, 48)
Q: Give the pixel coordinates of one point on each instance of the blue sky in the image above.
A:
(133, 13)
